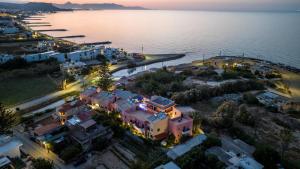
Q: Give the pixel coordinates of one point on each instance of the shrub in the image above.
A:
(266, 156)
(70, 152)
(100, 143)
(41, 163)
(244, 117)
(16, 63)
(240, 134)
(160, 82)
(211, 141)
(249, 98)
(206, 92)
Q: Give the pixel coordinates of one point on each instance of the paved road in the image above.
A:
(76, 86)
(37, 151)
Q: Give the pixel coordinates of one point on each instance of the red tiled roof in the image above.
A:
(46, 128)
(69, 106)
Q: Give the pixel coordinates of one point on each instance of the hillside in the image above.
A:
(95, 6)
(31, 6)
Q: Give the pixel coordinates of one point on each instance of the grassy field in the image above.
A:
(14, 91)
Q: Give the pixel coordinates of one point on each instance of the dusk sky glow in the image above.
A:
(193, 4)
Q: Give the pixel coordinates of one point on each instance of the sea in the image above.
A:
(273, 36)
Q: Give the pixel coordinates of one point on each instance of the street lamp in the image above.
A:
(46, 145)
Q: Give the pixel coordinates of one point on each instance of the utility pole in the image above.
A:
(203, 58)
(142, 49)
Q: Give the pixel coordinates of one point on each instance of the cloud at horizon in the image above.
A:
(193, 4)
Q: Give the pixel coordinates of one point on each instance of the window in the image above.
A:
(158, 129)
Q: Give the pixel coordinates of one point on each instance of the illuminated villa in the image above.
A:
(154, 118)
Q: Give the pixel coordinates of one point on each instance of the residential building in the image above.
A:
(271, 99)
(72, 68)
(181, 149)
(45, 45)
(5, 163)
(261, 69)
(86, 54)
(37, 57)
(86, 131)
(236, 154)
(244, 162)
(9, 30)
(5, 57)
(154, 118)
(169, 165)
(78, 118)
(114, 54)
(10, 147)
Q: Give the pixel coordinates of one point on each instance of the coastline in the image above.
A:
(150, 59)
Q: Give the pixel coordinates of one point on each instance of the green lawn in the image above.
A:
(18, 90)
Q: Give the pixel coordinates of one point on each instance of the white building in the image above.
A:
(38, 56)
(45, 45)
(244, 162)
(4, 162)
(87, 54)
(72, 67)
(114, 54)
(9, 30)
(5, 57)
(9, 147)
(169, 165)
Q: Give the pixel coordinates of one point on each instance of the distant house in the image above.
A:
(114, 54)
(244, 162)
(72, 68)
(169, 165)
(9, 30)
(181, 149)
(236, 154)
(5, 162)
(271, 99)
(9, 147)
(5, 57)
(86, 54)
(37, 57)
(261, 69)
(45, 45)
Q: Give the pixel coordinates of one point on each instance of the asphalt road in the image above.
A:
(76, 86)
(36, 151)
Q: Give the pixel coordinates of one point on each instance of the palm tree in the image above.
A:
(286, 136)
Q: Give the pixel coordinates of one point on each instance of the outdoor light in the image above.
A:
(143, 106)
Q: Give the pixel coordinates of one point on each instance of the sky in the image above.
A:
(194, 4)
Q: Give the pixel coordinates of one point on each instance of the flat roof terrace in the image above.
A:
(161, 102)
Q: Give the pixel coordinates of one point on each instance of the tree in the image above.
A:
(139, 164)
(7, 119)
(249, 98)
(212, 140)
(105, 81)
(197, 121)
(41, 163)
(244, 117)
(266, 156)
(286, 137)
(100, 143)
(223, 117)
(70, 152)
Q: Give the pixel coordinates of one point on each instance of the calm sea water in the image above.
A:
(270, 36)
